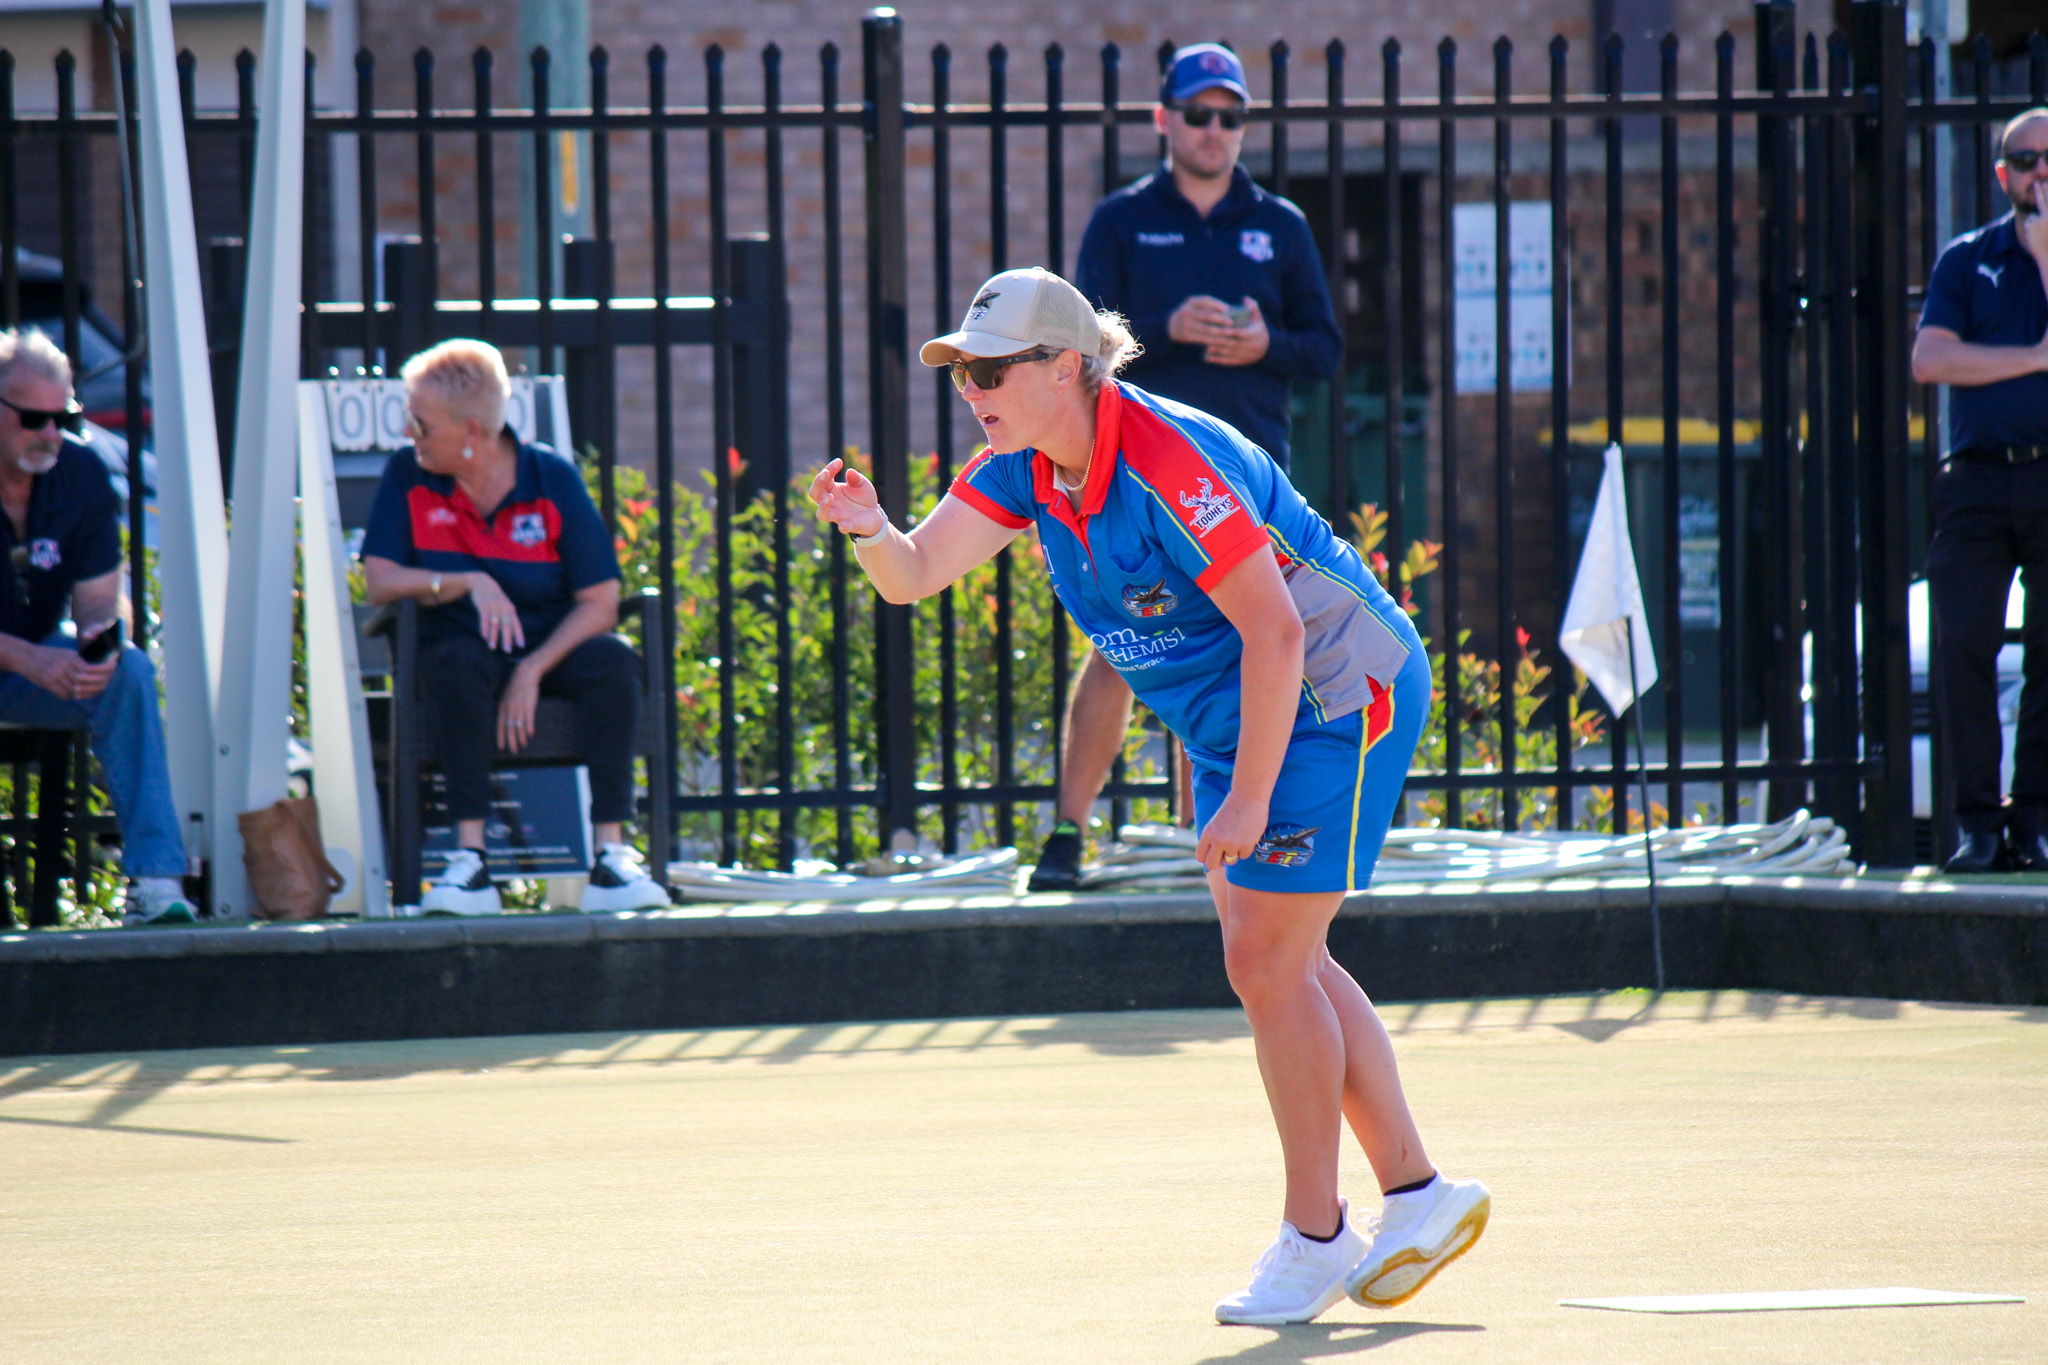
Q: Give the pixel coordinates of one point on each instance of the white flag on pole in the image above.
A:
(1607, 601)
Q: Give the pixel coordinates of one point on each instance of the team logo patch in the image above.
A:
(529, 528)
(978, 310)
(1255, 244)
(1286, 846)
(440, 516)
(44, 554)
(1152, 601)
(1210, 508)
(1214, 64)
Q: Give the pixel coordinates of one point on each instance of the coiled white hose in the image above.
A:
(1161, 858)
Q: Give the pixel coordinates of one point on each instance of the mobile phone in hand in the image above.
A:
(102, 646)
(1241, 315)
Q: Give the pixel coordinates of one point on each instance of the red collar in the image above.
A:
(1109, 412)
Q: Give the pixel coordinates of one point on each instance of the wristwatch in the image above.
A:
(434, 588)
(875, 539)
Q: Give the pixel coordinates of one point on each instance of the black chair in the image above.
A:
(62, 763)
(405, 742)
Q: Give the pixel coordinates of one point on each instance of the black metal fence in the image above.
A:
(1732, 286)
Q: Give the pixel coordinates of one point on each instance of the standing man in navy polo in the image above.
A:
(1984, 332)
(1223, 286)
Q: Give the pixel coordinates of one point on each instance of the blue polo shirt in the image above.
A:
(1174, 501)
(1147, 250)
(543, 544)
(1986, 288)
(74, 533)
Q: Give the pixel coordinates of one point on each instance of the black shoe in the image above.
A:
(1059, 862)
(1979, 851)
(2028, 828)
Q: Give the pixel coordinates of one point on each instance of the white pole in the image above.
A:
(342, 775)
(193, 543)
(256, 662)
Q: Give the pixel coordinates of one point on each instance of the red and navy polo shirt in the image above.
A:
(543, 544)
(74, 534)
(1176, 499)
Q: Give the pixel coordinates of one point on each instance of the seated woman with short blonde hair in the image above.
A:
(501, 545)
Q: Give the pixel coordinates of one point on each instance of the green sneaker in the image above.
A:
(155, 901)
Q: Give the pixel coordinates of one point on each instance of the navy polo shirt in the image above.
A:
(1147, 250)
(543, 544)
(1986, 288)
(74, 534)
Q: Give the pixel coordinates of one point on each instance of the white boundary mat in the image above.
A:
(1788, 1299)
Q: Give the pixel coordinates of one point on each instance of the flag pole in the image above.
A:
(1649, 830)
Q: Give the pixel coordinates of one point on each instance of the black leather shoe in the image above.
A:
(2028, 828)
(1978, 851)
(1059, 863)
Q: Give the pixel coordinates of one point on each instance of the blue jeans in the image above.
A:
(128, 739)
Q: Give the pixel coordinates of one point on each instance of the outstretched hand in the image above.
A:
(851, 504)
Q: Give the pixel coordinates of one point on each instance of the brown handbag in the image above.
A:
(289, 875)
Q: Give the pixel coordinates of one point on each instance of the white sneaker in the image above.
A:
(1296, 1279)
(1419, 1234)
(619, 882)
(158, 900)
(463, 888)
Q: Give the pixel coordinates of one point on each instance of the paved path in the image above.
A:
(1034, 1190)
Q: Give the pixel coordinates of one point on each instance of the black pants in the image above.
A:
(465, 677)
(1988, 520)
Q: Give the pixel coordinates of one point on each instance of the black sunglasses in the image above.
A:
(1198, 116)
(2023, 161)
(67, 418)
(987, 371)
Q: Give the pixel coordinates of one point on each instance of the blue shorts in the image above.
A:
(1335, 795)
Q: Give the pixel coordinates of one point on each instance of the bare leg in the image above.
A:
(1273, 948)
(610, 832)
(1373, 1103)
(1098, 718)
(469, 834)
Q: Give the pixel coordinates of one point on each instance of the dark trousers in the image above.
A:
(465, 677)
(1986, 525)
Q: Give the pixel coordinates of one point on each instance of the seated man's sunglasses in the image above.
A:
(2023, 161)
(69, 418)
(987, 371)
(1199, 115)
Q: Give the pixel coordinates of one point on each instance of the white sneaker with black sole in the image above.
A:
(1297, 1278)
(1419, 1234)
(619, 882)
(158, 901)
(463, 888)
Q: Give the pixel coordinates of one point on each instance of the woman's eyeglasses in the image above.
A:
(1198, 116)
(2024, 161)
(67, 418)
(987, 371)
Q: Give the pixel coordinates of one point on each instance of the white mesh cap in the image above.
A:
(1015, 311)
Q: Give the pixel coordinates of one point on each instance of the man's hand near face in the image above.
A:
(2032, 227)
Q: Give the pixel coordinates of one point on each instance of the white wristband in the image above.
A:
(875, 539)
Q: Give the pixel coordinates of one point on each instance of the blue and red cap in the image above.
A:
(1204, 66)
